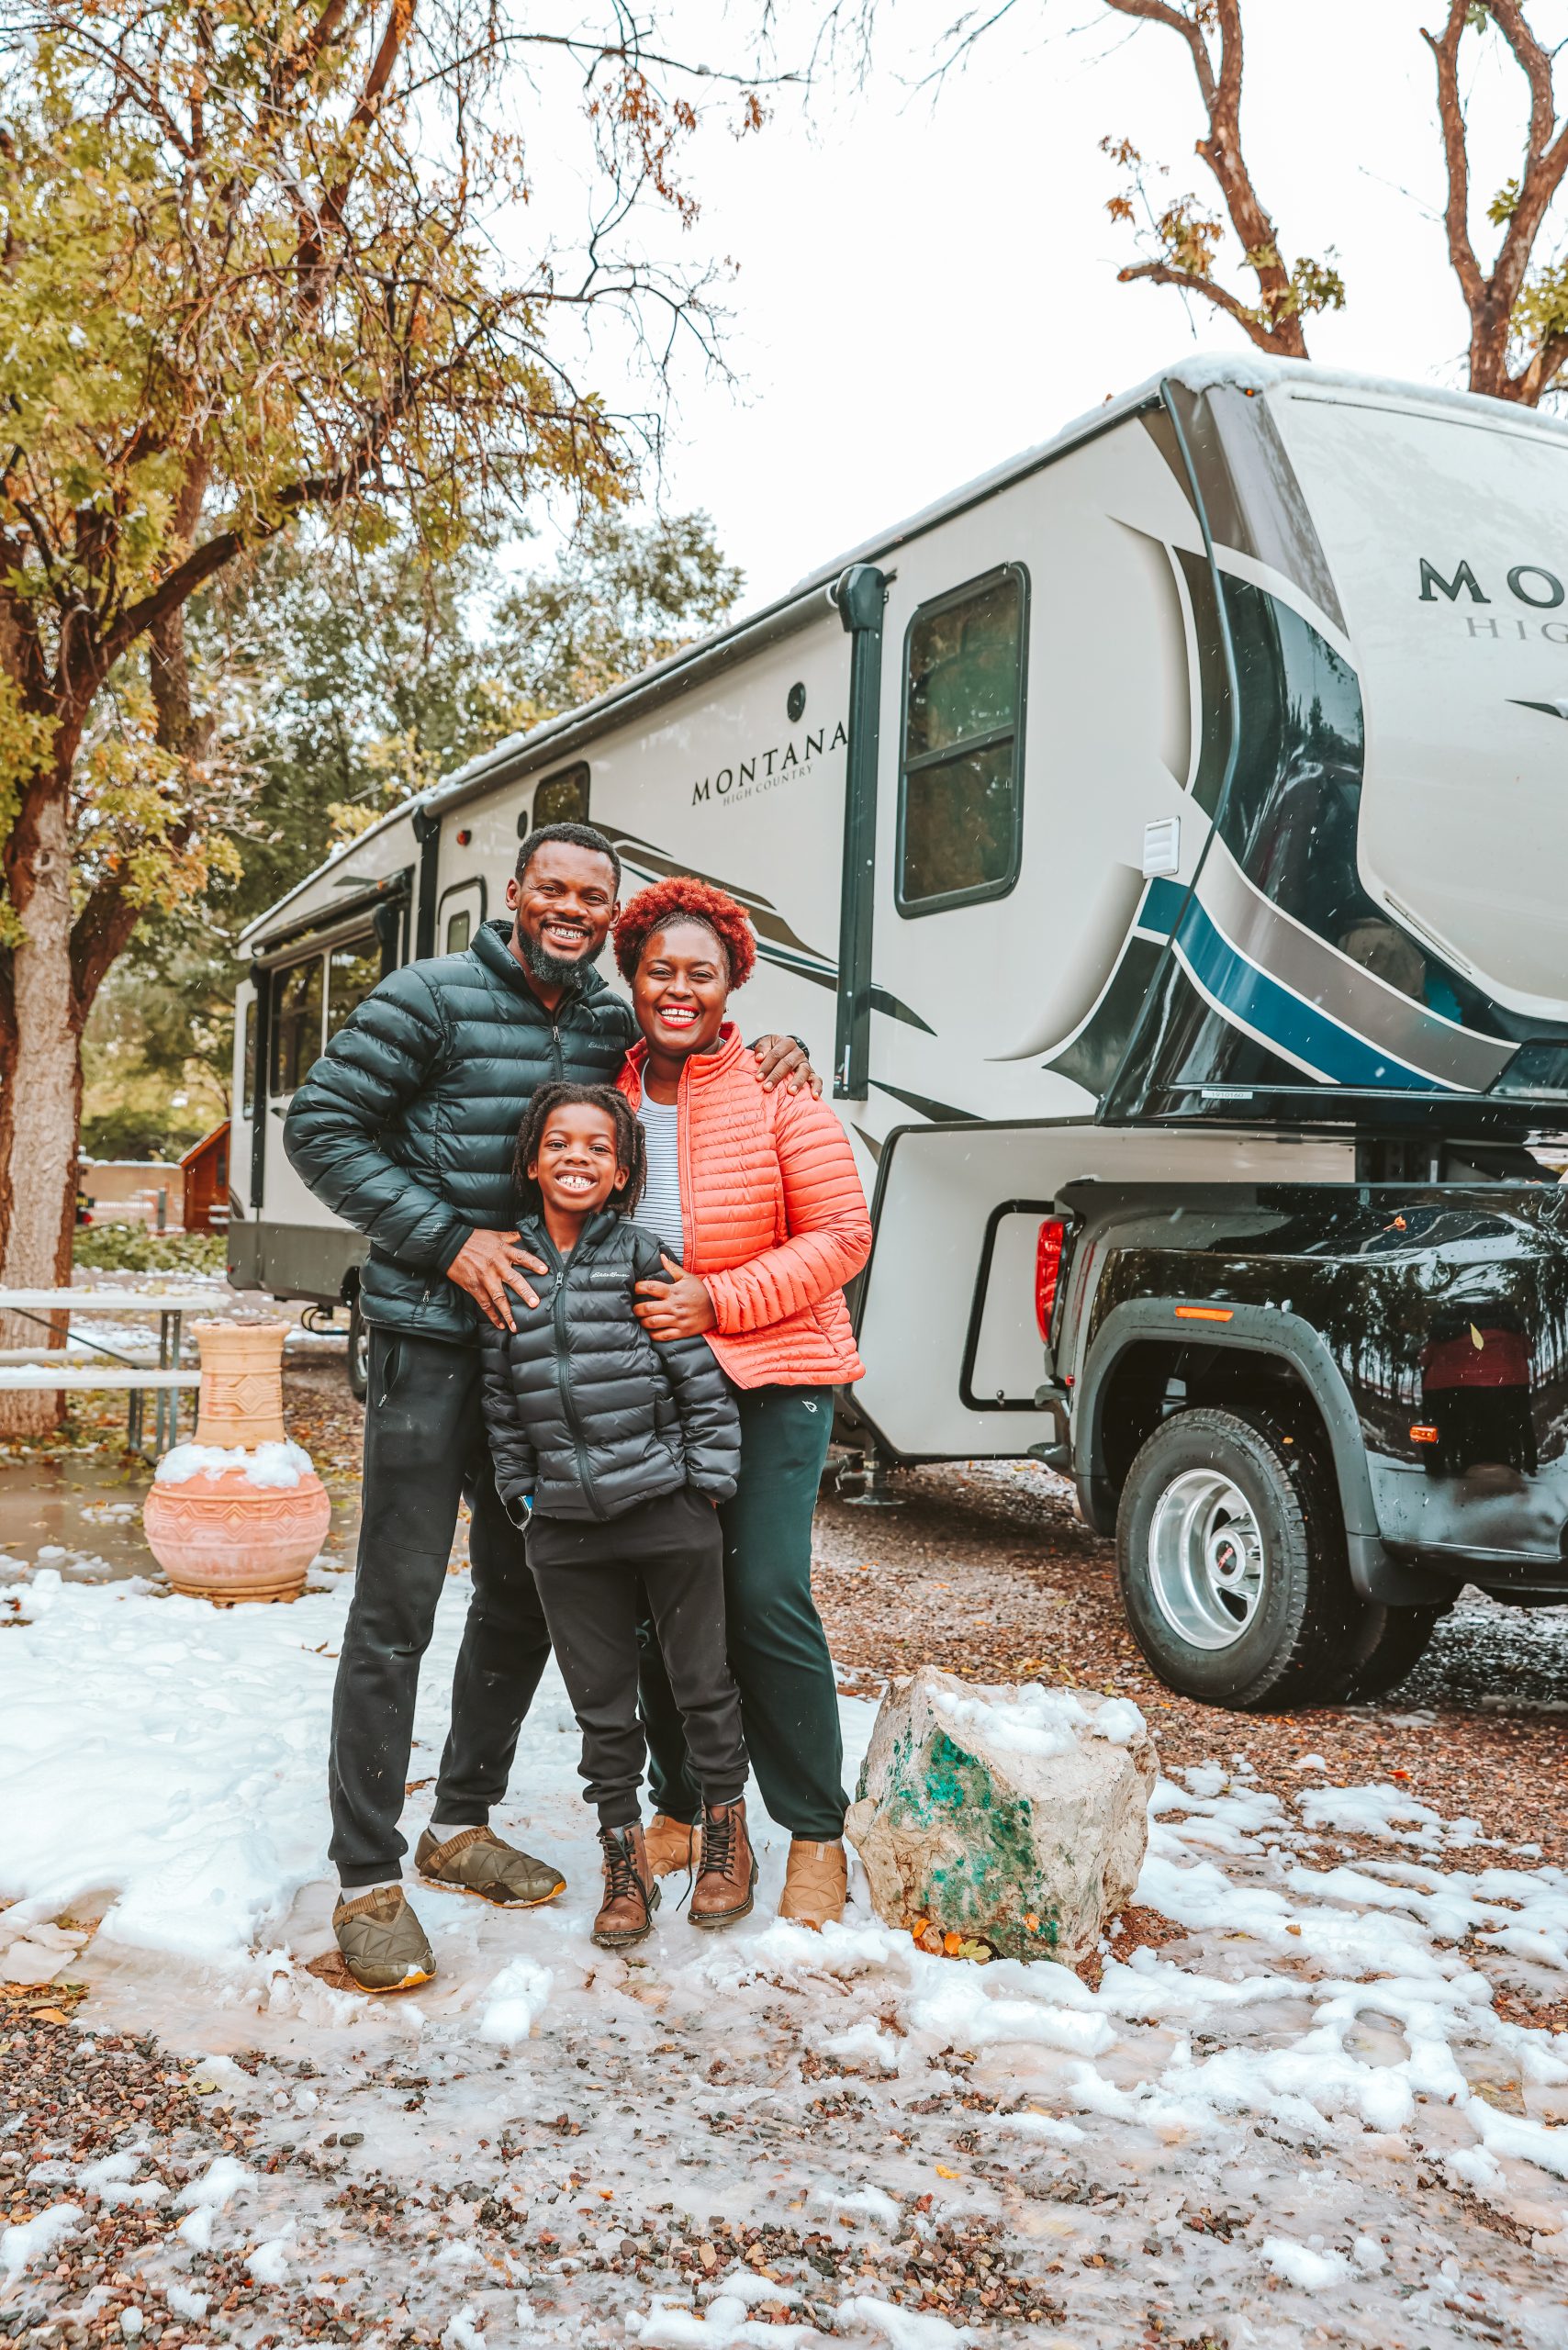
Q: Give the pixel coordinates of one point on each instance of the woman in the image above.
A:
(756, 1199)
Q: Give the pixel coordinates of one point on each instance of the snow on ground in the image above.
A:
(1305, 2107)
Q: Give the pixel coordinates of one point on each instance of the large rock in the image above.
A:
(1014, 1816)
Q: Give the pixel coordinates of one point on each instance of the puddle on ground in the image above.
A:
(81, 1512)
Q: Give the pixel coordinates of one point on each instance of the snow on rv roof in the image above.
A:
(1202, 371)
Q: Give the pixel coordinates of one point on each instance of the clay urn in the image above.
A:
(239, 1513)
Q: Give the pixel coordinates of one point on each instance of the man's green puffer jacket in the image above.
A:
(406, 1126)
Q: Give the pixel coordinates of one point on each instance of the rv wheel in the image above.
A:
(359, 1355)
(1232, 1562)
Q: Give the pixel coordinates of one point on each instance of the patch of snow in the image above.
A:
(1031, 1719)
(906, 2329)
(268, 2262)
(515, 2001)
(856, 2203)
(1299, 2263)
(29, 2243)
(264, 1464)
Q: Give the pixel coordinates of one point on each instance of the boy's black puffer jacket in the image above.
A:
(585, 1412)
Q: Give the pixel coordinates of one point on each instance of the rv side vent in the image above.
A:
(1162, 848)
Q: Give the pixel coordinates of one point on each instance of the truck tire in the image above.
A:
(1392, 1642)
(359, 1354)
(1231, 1555)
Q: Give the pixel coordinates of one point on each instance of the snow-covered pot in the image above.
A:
(241, 1512)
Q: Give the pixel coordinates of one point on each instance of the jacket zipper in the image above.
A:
(568, 1401)
(555, 1047)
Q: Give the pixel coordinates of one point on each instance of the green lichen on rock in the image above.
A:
(984, 1881)
(1003, 1816)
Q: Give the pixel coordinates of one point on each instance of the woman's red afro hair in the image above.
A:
(663, 901)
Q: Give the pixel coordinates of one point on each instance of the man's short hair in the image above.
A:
(575, 837)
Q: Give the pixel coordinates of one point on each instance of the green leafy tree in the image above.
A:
(250, 275)
(356, 679)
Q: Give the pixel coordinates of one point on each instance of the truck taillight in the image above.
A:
(1048, 1271)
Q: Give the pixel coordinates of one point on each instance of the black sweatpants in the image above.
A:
(778, 1648)
(592, 1578)
(425, 1448)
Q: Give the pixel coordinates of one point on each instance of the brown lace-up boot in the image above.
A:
(726, 1870)
(630, 1895)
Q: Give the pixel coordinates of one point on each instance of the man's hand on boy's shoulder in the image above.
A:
(486, 1267)
(785, 1057)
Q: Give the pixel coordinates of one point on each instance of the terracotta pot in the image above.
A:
(241, 1382)
(221, 1538)
(224, 1534)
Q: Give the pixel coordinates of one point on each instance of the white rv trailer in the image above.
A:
(1183, 802)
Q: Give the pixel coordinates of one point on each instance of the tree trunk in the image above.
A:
(43, 1096)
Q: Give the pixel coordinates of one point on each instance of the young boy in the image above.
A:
(623, 1448)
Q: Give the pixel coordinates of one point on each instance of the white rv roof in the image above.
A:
(1200, 371)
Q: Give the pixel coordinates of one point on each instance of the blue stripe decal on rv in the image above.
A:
(1282, 1018)
(1272, 1012)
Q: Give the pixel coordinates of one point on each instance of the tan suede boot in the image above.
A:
(816, 1884)
(630, 1895)
(727, 1870)
(671, 1845)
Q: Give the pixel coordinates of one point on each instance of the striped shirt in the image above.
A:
(659, 1207)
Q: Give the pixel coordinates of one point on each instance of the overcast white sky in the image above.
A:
(927, 284)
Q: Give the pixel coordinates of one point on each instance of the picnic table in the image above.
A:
(39, 1369)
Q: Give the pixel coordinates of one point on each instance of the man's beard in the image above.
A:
(567, 972)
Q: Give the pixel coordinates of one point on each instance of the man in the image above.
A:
(406, 1127)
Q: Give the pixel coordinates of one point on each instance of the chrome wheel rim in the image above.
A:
(1205, 1559)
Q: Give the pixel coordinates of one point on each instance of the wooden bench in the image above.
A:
(46, 1374)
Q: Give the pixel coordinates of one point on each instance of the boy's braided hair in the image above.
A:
(630, 1151)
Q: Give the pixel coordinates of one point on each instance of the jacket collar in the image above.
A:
(492, 946)
(602, 1222)
(700, 1069)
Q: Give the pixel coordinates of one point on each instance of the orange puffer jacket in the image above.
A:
(774, 1219)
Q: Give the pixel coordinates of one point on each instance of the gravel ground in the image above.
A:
(984, 1568)
(980, 1568)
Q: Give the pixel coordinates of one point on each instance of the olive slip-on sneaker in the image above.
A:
(475, 1861)
(382, 1943)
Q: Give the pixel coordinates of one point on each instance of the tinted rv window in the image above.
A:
(297, 1022)
(961, 788)
(248, 1059)
(562, 798)
(352, 971)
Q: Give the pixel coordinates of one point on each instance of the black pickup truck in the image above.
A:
(1309, 1413)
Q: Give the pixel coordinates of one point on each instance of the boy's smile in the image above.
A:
(578, 1168)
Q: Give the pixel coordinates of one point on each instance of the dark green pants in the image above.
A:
(777, 1649)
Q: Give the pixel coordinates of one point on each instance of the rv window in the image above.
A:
(960, 789)
(562, 798)
(296, 1023)
(248, 1057)
(352, 971)
(458, 932)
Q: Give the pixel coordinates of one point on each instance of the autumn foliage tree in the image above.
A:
(251, 269)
